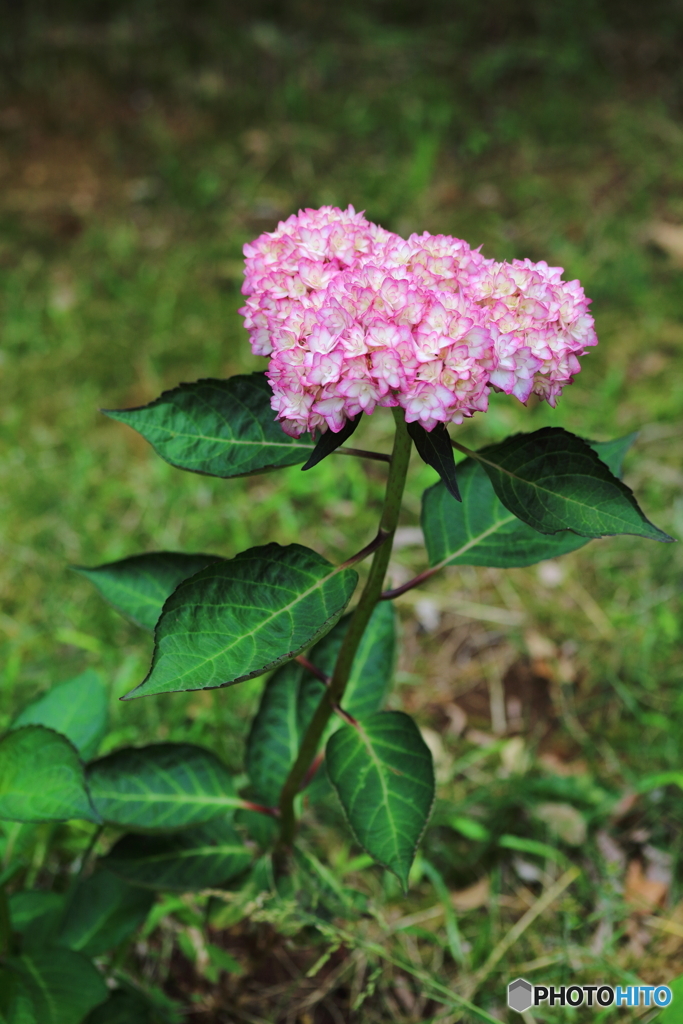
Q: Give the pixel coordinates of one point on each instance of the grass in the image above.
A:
(139, 152)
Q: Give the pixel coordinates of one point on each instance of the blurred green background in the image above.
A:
(142, 143)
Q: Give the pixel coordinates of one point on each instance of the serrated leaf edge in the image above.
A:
(87, 573)
(227, 802)
(324, 628)
(120, 416)
(663, 537)
(352, 829)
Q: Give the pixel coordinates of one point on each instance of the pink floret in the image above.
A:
(353, 316)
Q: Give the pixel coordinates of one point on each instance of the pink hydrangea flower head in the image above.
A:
(353, 316)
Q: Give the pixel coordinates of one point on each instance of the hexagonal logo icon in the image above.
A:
(520, 995)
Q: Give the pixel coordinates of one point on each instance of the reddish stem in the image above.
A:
(344, 715)
(389, 595)
(313, 669)
(313, 769)
(272, 812)
(367, 550)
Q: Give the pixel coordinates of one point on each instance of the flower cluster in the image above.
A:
(353, 316)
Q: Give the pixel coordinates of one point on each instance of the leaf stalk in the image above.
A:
(272, 812)
(389, 595)
(369, 549)
(313, 669)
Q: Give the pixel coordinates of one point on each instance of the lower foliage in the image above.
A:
(169, 818)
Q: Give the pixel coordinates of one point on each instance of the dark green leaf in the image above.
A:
(102, 912)
(373, 664)
(239, 618)
(161, 786)
(292, 695)
(196, 858)
(553, 480)
(262, 828)
(613, 452)
(329, 442)
(138, 586)
(222, 428)
(60, 985)
(274, 737)
(77, 709)
(121, 1008)
(481, 531)
(133, 1004)
(434, 447)
(35, 914)
(382, 772)
(41, 778)
(16, 1005)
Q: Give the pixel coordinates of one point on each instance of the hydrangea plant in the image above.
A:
(352, 319)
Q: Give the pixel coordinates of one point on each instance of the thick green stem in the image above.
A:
(400, 458)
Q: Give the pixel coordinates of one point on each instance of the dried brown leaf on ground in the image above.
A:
(473, 897)
(667, 237)
(648, 879)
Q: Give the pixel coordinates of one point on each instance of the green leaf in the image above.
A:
(161, 786)
(481, 531)
(17, 841)
(553, 480)
(138, 586)
(16, 1006)
(434, 447)
(133, 1004)
(222, 428)
(36, 914)
(196, 858)
(102, 912)
(470, 828)
(274, 738)
(292, 695)
(382, 772)
(77, 709)
(262, 828)
(121, 1008)
(524, 845)
(330, 441)
(672, 1014)
(613, 452)
(239, 618)
(41, 778)
(60, 985)
(220, 960)
(659, 779)
(373, 664)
